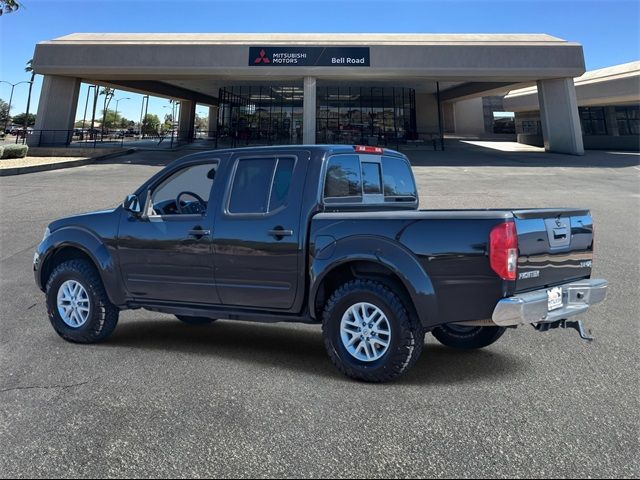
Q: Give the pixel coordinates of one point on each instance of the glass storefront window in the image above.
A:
(267, 115)
(628, 119)
(365, 115)
(592, 120)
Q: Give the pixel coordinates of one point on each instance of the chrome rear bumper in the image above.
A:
(532, 307)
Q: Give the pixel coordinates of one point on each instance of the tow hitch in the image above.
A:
(577, 325)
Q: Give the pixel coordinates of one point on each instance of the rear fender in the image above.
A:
(380, 250)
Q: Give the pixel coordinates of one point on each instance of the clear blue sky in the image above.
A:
(608, 29)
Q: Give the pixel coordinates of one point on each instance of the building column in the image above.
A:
(187, 120)
(56, 111)
(309, 111)
(213, 121)
(561, 129)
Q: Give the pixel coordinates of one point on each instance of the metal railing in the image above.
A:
(94, 139)
(218, 139)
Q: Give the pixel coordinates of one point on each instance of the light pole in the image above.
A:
(124, 98)
(13, 85)
(86, 104)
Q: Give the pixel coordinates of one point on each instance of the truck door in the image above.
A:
(258, 235)
(165, 254)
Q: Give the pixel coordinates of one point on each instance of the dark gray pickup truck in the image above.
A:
(328, 235)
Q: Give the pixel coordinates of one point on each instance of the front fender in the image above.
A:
(89, 243)
(392, 255)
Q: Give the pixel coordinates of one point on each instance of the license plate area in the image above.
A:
(554, 298)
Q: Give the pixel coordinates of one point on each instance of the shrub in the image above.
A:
(14, 151)
(1, 150)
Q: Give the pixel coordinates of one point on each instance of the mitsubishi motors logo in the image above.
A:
(262, 58)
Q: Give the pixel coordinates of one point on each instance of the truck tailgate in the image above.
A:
(555, 246)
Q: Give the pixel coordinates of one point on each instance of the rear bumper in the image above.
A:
(531, 307)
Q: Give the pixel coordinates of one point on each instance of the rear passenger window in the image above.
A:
(343, 181)
(281, 183)
(260, 185)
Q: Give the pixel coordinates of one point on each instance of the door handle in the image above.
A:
(280, 232)
(198, 232)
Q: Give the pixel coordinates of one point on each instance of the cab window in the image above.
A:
(260, 185)
(185, 192)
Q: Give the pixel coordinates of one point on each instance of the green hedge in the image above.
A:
(14, 151)
(1, 150)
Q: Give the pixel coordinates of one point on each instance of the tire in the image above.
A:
(467, 338)
(195, 320)
(405, 341)
(102, 316)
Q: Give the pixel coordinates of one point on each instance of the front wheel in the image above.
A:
(466, 337)
(369, 332)
(77, 303)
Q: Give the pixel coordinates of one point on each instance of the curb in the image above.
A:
(5, 172)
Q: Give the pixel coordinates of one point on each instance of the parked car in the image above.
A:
(327, 235)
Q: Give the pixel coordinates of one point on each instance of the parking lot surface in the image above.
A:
(161, 398)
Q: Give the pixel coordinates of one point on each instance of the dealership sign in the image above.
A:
(309, 56)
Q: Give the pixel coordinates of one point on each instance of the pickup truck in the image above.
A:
(328, 235)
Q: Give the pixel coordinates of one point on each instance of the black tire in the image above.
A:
(407, 335)
(467, 338)
(195, 320)
(103, 315)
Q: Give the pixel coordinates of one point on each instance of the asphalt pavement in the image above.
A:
(161, 398)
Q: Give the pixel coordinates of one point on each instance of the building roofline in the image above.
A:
(614, 72)
(371, 39)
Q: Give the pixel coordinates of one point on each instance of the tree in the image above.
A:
(4, 112)
(108, 95)
(150, 124)
(167, 126)
(29, 69)
(202, 123)
(21, 119)
(110, 119)
(8, 6)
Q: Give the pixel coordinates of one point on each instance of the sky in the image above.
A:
(607, 29)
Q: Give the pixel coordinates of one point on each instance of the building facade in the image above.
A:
(311, 88)
(608, 107)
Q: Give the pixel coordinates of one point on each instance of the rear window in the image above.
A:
(343, 180)
(368, 179)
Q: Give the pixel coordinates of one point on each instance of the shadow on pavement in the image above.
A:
(300, 350)
(460, 154)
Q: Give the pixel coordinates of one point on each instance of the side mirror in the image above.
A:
(132, 204)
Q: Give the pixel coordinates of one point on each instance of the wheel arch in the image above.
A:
(377, 259)
(73, 243)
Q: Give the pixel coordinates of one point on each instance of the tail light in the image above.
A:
(503, 250)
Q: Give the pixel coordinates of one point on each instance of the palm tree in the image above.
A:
(8, 6)
(108, 95)
(29, 69)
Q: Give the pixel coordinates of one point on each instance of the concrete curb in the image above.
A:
(5, 172)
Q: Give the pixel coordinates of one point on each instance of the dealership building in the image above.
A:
(317, 88)
(608, 107)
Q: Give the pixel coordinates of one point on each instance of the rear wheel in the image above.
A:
(466, 337)
(369, 333)
(77, 303)
(195, 320)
